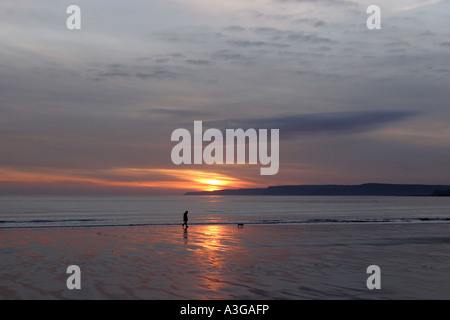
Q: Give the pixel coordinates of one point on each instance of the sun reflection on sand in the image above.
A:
(211, 246)
(205, 262)
(213, 238)
(221, 262)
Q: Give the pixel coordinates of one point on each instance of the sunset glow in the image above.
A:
(213, 184)
(133, 178)
(216, 184)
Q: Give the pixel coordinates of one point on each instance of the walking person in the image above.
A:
(185, 219)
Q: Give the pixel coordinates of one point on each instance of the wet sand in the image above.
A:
(225, 262)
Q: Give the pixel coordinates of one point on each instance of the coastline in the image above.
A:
(366, 189)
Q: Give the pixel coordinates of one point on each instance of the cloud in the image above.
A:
(230, 56)
(114, 74)
(337, 3)
(235, 29)
(419, 5)
(178, 112)
(158, 73)
(139, 71)
(256, 44)
(320, 123)
(312, 22)
(291, 35)
(198, 62)
(308, 38)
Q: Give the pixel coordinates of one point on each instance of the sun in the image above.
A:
(213, 184)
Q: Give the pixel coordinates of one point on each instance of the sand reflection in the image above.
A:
(206, 262)
(224, 262)
(210, 247)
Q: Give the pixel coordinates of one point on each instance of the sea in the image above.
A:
(93, 211)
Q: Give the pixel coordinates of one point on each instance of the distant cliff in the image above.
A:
(368, 189)
(441, 193)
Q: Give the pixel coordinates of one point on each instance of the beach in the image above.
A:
(208, 262)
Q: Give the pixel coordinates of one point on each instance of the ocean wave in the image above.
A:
(90, 223)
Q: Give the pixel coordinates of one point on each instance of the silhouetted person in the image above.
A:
(185, 219)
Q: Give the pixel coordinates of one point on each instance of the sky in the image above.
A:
(93, 110)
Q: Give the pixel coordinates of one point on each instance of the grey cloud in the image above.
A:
(308, 38)
(269, 30)
(235, 29)
(320, 123)
(230, 56)
(114, 74)
(176, 55)
(290, 35)
(337, 3)
(141, 72)
(158, 74)
(324, 49)
(397, 43)
(312, 22)
(143, 59)
(169, 37)
(246, 43)
(227, 55)
(114, 70)
(320, 75)
(178, 112)
(427, 33)
(252, 44)
(198, 62)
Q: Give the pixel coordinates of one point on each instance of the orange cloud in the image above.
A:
(197, 179)
(135, 178)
